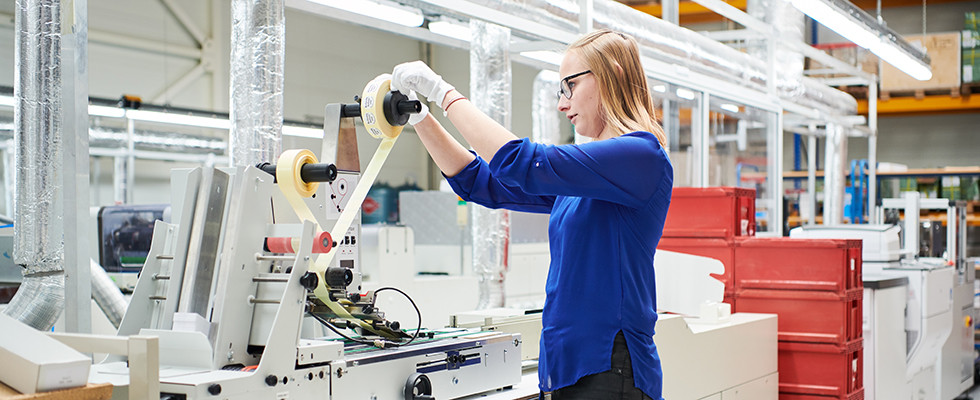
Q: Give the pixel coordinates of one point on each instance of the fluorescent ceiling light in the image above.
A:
(104, 111)
(729, 107)
(388, 12)
(455, 30)
(685, 94)
(903, 61)
(846, 20)
(660, 88)
(7, 101)
(301, 131)
(178, 119)
(549, 57)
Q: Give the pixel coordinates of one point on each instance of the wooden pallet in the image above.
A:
(970, 88)
(954, 92)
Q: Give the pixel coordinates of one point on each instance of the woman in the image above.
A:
(607, 200)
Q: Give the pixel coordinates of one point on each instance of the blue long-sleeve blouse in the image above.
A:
(608, 200)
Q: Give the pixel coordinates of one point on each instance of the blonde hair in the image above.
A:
(614, 59)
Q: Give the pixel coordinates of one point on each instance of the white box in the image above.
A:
(34, 362)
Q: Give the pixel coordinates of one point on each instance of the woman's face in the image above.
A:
(583, 107)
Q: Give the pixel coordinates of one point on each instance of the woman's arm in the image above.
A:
(480, 131)
(450, 156)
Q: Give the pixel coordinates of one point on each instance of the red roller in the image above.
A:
(322, 243)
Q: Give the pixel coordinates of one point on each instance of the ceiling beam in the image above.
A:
(693, 13)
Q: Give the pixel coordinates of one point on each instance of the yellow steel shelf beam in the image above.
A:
(926, 105)
(689, 11)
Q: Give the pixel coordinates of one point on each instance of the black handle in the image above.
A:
(309, 172)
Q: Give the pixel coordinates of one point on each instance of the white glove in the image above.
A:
(416, 118)
(416, 76)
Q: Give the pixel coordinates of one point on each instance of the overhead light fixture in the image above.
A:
(859, 27)
(660, 88)
(302, 131)
(685, 94)
(549, 57)
(730, 107)
(178, 119)
(7, 101)
(451, 28)
(390, 12)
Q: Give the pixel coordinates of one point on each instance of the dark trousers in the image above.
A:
(617, 383)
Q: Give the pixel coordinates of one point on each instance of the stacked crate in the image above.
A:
(815, 287)
(706, 221)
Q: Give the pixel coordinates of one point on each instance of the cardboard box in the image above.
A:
(34, 362)
(943, 50)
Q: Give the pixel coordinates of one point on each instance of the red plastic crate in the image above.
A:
(857, 395)
(799, 264)
(816, 369)
(719, 249)
(715, 212)
(808, 316)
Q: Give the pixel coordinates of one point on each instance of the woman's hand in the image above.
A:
(418, 77)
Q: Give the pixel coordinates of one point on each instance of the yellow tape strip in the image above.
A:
(288, 175)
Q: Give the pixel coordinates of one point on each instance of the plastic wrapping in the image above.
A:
(258, 40)
(545, 120)
(107, 295)
(490, 91)
(676, 45)
(39, 231)
(835, 162)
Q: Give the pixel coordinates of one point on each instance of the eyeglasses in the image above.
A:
(565, 87)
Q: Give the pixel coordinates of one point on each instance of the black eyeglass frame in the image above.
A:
(563, 84)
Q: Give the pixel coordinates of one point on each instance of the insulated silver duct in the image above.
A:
(107, 295)
(258, 39)
(788, 22)
(490, 91)
(835, 163)
(680, 46)
(38, 227)
(545, 121)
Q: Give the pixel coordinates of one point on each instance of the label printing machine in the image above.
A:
(250, 253)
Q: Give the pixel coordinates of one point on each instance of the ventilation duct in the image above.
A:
(545, 120)
(258, 39)
(490, 91)
(38, 226)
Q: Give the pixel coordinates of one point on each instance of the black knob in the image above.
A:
(309, 280)
(394, 325)
(271, 380)
(397, 108)
(214, 389)
(339, 277)
(354, 297)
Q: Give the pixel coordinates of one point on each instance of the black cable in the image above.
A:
(419, 313)
(384, 342)
(334, 329)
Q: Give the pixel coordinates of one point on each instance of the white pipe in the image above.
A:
(835, 163)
